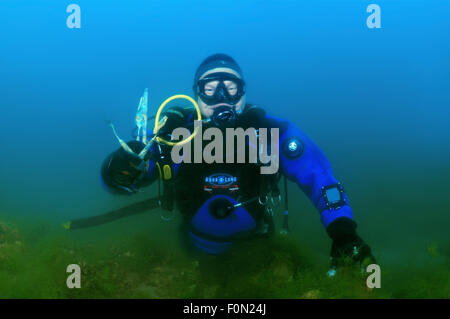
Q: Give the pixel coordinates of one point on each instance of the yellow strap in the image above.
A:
(159, 170)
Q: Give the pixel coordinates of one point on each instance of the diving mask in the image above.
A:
(220, 87)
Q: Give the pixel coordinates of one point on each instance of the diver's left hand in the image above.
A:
(355, 251)
(348, 248)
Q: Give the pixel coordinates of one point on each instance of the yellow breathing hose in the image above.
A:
(158, 114)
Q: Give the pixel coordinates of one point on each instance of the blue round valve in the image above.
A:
(292, 147)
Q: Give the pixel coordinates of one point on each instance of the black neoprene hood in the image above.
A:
(218, 60)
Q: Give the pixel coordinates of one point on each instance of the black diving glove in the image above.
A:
(121, 170)
(347, 248)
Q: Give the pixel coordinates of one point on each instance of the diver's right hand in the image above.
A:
(175, 117)
(123, 168)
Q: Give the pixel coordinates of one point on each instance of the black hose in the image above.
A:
(133, 209)
(286, 207)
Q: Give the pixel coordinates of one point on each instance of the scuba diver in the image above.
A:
(223, 203)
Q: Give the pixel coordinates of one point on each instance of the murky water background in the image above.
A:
(376, 101)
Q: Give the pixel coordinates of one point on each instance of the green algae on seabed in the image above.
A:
(10, 245)
(33, 264)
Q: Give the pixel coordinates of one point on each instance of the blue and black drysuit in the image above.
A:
(204, 192)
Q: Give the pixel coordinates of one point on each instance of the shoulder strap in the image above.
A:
(252, 116)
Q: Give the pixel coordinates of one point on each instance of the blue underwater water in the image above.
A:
(376, 101)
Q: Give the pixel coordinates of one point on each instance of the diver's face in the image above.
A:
(210, 88)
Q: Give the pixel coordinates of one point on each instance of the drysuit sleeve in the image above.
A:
(123, 173)
(302, 161)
